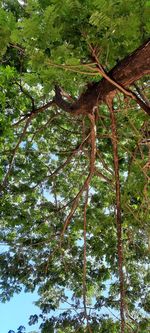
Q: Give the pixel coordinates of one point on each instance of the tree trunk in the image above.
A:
(125, 73)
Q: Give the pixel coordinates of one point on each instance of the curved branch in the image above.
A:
(125, 73)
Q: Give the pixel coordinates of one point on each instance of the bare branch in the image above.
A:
(84, 261)
(103, 162)
(126, 92)
(26, 93)
(143, 97)
(43, 126)
(91, 172)
(15, 151)
(125, 73)
(74, 152)
(118, 214)
(101, 175)
(35, 112)
(75, 68)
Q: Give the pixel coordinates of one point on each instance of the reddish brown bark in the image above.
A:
(118, 215)
(125, 73)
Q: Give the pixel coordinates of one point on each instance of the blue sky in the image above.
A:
(16, 312)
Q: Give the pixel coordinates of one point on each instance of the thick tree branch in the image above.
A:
(60, 102)
(124, 74)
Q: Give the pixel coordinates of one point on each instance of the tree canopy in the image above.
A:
(74, 168)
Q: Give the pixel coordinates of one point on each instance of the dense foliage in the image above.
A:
(59, 211)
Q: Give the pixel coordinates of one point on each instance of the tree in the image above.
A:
(74, 161)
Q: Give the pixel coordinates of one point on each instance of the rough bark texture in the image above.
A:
(118, 214)
(125, 73)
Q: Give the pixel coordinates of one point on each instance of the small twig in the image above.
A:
(134, 159)
(132, 212)
(18, 47)
(33, 113)
(101, 175)
(68, 131)
(133, 154)
(140, 92)
(99, 154)
(91, 172)
(29, 117)
(111, 312)
(75, 203)
(15, 151)
(116, 316)
(75, 69)
(74, 152)
(42, 127)
(26, 93)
